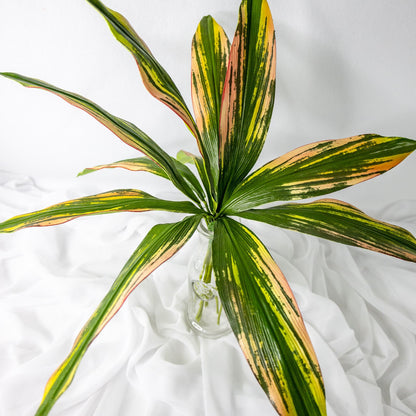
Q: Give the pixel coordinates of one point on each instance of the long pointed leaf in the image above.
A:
(210, 53)
(161, 243)
(266, 320)
(248, 98)
(139, 164)
(155, 78)
(338, 221)
(320, 168)
(124, 200)
(126, 131)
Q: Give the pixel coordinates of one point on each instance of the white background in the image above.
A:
(344, 68)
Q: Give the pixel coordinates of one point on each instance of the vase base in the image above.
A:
(207, 333)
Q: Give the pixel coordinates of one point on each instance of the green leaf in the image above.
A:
(210, 54)
(137, 164)
(126, 131)
(186, 157)
(124, 200)
(190, 179)
(320, 168)
(155, 78)
(248, 97)
(338, 221)
(161, 243)
(266, 320)
(198, 162)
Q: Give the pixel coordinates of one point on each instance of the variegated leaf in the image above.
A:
(155, 78)
(139, 164)
(320, 168)
(124, 200)
(266, 320)
(161, 243)
(126, 131)
(338, 221)
(210, 54)
(248, 97)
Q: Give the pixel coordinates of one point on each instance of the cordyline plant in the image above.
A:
(233, 88)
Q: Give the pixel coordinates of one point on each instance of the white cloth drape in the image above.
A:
(358, 306)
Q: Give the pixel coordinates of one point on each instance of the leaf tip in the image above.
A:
(85, 171)
(8, 74)
(412, 144)
(184, 157)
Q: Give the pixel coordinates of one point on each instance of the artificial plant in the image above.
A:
(233, 90)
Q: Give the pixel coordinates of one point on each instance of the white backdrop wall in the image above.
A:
(344, 68)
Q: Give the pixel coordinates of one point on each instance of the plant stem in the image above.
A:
(205, 277)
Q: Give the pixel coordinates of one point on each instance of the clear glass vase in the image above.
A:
(204, 310)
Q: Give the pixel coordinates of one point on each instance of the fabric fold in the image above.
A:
(358, 307)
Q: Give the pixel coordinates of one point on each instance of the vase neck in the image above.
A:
(204, 232)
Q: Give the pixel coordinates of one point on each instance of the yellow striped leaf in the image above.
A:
(161, 243)
(155, 78)
(127, 132)
(320, 168)
(139, 164)
(248, 97)
(338, 221)
(123, 200)
(267, 322)
(210, 53)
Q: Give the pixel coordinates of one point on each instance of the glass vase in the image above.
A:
(204, 313)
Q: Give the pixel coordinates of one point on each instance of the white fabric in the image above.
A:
(358, 306)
